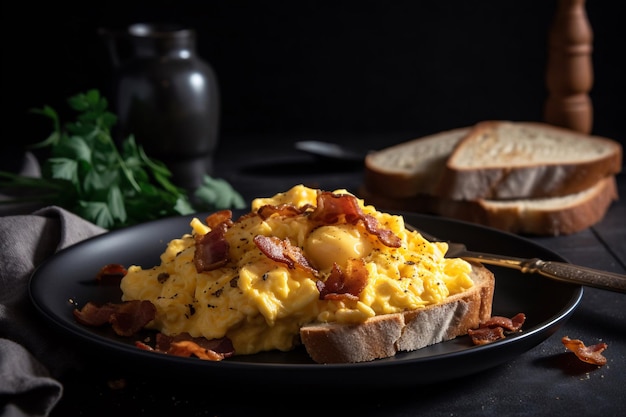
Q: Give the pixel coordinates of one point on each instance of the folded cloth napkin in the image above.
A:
(30, 359)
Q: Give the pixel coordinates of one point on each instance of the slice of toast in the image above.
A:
(541, 216)
(412, 167)
(500, 160)
(383, 336)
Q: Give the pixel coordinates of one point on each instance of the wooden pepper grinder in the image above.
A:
(569, 75)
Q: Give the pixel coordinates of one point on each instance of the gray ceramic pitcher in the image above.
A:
(166, 96)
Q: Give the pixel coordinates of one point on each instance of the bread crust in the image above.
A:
(383, 336)
(512, 174)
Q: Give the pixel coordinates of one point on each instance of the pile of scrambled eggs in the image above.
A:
(260, 304)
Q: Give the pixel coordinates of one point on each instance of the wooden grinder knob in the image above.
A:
(569, 73)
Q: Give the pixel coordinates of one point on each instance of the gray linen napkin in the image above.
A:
(30, 360)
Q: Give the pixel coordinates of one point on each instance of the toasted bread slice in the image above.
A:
(412, 167)
(383, 336)
(541, 216)
(500, 160)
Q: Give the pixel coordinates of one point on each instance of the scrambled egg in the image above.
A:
(260, 304)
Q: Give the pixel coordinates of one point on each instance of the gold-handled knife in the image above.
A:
(560, 271)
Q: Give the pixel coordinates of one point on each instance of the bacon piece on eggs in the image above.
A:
(344, 284)
(283, 251)
(331, 208)
(212, 248)
(385, 235)
(286, 210)
(219, 217)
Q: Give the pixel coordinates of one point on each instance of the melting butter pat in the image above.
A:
(327, 245)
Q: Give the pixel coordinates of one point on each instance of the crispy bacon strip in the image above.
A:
(144, 346)
(212, 249)
(589, 354)
(344, 284)
(485, 335)
(509, 324)
(126, 318)
(385, 235)
(95, 315)
(223, 216)
(283, 251)
(496, 328)
(132, 316)
(186, 346)
(222, 345)
(111, 274)
(334, 208)
(286, 210)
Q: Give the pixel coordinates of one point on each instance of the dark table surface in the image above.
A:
(545, 380)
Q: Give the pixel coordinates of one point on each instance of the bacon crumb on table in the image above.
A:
(589, 354)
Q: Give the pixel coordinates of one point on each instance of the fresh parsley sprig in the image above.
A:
(88, 175)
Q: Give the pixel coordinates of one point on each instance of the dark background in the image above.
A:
(341, 68)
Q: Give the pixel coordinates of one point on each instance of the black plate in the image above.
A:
(67, 280)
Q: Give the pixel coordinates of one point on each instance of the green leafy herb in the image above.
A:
(217, 193)
(88, 175)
